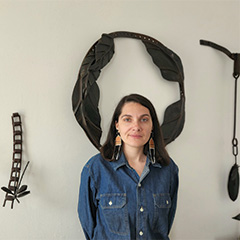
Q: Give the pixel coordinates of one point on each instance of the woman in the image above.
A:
(129, 190)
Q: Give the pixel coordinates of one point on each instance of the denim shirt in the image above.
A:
(116, 204)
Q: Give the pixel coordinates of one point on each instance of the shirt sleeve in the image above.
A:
(174, 193)
(87, 204)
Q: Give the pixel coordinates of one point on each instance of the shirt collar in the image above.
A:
(122, 161)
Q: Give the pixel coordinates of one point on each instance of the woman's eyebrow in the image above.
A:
(129, 115)
(126, 115)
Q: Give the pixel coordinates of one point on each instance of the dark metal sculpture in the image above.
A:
(233, 179)
(14, 189)
(85, 97)
(237, 217)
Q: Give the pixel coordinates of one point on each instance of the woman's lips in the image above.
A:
(135, 136)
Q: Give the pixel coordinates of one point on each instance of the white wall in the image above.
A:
(42, 45)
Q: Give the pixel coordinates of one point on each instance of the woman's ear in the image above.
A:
(116, 125)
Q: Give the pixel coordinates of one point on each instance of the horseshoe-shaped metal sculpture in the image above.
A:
(85, 97)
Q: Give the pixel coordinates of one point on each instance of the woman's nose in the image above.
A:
(136, 126)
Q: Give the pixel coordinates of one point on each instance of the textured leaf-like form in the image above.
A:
(22, 189)
(83, 82)
(233, 182)
(88, 116)
(237, 217)
(23, 194)
(88, 75)
(167, 61)
(86, 94)
(173, 122)
(171, 68)
(7, 190)
(104, 51)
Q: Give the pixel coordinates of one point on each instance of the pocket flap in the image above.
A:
(113, 200)
(162, 200)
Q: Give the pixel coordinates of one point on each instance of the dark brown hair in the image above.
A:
(161, 155)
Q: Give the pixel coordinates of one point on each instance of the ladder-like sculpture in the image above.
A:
(14, 191)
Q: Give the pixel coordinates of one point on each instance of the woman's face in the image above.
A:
(134, 125)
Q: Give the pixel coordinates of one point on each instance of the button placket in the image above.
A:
(140, 209)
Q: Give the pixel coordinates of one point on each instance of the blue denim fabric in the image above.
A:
(116, 204)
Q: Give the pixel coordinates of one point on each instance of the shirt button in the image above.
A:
(140, 233)
(110, 203)
(139, 185)
(167, 202)
(141, 209)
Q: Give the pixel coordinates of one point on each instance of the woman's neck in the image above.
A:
(136, 158)
(134, 154)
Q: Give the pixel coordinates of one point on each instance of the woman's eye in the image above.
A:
(144, 119)
(126, 119)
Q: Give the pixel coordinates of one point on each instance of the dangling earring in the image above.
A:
(152, 149)
(117, 148)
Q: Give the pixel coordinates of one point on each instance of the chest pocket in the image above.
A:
(114, 208)
(162, 204)
(162, 200)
